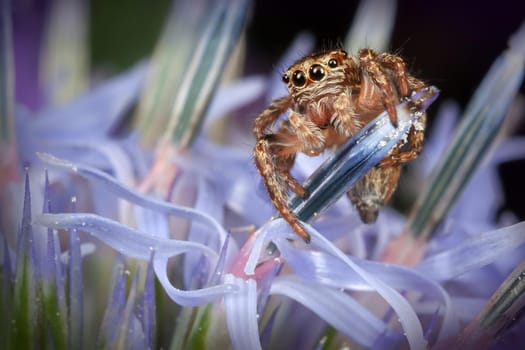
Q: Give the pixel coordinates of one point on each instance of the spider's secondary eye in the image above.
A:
(316, 72)
(286, 78)
(298, 78)
(332, 63)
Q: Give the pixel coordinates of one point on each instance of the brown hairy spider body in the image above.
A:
(331, 96)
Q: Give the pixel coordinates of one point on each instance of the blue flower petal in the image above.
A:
(123, 239)
(94, 114)
(140, 245)
(474, 253)
(207, 201)
(148, 306)
(439, 136)
(372, 25)
(112, 320)
(241, 313)
(334, 306)
(110, 184)
(75, 291)
(278, 230)
(244, 90)
(328, 270)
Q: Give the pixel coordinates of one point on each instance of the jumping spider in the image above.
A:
(331, 96)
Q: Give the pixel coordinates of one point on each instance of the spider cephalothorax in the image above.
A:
(331, 96)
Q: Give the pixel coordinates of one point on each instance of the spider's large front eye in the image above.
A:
(316, 72)
(286, 78)
(298, 78)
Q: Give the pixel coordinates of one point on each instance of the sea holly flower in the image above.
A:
(209, 240)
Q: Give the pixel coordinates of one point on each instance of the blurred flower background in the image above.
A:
(132, 215)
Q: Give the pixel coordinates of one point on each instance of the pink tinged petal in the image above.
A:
(250, 264)
(334, 306)
(54, 270)
(473, 253)
(241, 313)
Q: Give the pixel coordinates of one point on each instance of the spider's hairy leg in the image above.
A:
(309, 135)
(274, 155)
(415, 144)
(345, 120)
(265, 120)
(373, 69)
(397, 65)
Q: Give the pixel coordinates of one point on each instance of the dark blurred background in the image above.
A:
(450, 44)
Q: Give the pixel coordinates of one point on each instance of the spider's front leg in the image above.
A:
(402, 153)
(266, 119)
(274, 156)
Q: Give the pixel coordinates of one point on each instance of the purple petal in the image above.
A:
(112, 320)
(148, 306)
(241, 313)
(110, 184)
(220, 267)
(76, 294)
(372, 25)
(210, 202)
(278, 230)
(473, 253)
(328, 270)
(131, 333)
(94, 114)
(220, 164)
(139, 245)
(122, 238)
(439, 137)
(245, 90)
(25, 250)
(509, 149)
(335, 307)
